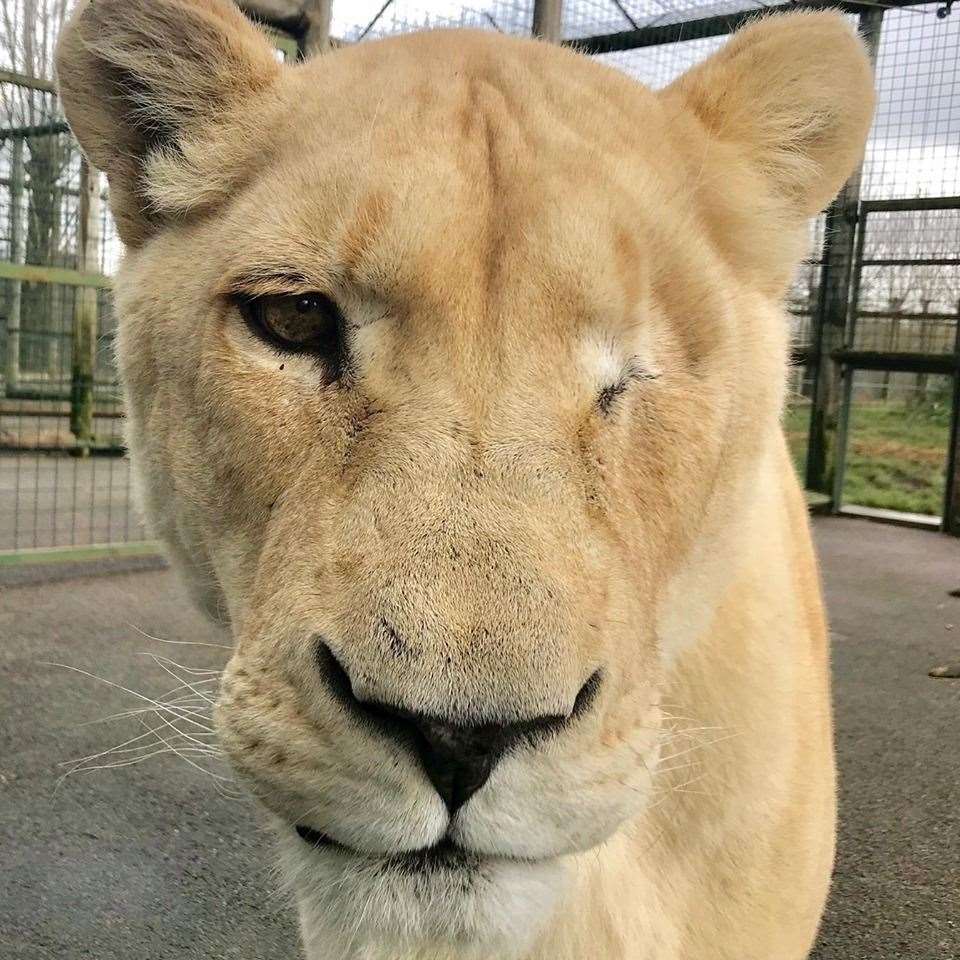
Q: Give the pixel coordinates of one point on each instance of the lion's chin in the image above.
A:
(353, 905)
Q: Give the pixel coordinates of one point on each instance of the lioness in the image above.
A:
(454, 367)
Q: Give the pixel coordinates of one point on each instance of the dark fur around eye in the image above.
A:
(303, 323)
(632, 372)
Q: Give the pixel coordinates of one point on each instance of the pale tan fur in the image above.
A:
(507, 226)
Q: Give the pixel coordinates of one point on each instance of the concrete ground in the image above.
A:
(49, 499)
(150, 862)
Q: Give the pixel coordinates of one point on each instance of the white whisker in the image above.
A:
(184, 643)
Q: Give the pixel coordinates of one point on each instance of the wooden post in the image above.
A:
(829, 332)
(317, 14)
(548, 20)
(831, 391)
(85, 312)
(15, 288)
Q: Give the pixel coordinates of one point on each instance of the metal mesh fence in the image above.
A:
(908, 289)
(873, 310)
(64, 479)
(914, 147)
(63, 482)
(898, 428)
(355, 22)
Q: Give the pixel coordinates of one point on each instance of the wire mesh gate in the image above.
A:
(875, 309)
(63, 480)
(903, 355)
(881, 363)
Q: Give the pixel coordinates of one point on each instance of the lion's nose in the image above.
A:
(458, 759)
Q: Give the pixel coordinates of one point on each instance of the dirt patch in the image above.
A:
(893, 450)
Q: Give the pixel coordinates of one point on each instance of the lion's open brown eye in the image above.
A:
(299, 323)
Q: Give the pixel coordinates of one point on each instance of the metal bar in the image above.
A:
(375, 20)
(847, 372)
(940, 363)
(951, 497)
(548, 20)
(715, 26)
(316, 38)
(25, 80)
(898, 315)
(64, 191)
(15, 289)
(34, 274)
(914, 203)
(55, 127)
(53, 407)
(56, 393)
(142, 548)
(85, 318)
(914, 262)
(829, 326)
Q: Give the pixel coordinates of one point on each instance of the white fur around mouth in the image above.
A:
(418, 904)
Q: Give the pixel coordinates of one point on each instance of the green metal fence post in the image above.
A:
(15, 289)
(85, 313)
(951, 505)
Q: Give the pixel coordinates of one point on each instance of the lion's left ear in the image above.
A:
(794, 96)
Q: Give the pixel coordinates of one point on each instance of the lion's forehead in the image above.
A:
(459, 179)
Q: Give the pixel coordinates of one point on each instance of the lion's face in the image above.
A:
(440, 381)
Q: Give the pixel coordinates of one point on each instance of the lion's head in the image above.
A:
(449, 358)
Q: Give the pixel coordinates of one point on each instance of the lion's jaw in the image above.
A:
(563, 371)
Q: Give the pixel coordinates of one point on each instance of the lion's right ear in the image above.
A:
(148, 86)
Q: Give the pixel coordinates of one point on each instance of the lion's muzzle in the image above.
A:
(457, 758)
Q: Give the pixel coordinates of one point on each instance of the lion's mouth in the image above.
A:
(445, 855)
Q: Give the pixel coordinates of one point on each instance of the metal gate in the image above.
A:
(902, 337)
(64, 479)
(882, 360)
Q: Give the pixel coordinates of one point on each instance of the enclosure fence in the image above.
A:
(875, 385)
(64, 478)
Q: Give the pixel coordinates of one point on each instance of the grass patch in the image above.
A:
(796, 426)
(896, 454)
(12, 558)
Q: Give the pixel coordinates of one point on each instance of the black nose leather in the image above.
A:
(458, 759)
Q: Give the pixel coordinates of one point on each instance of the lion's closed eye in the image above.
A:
(633, 372)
